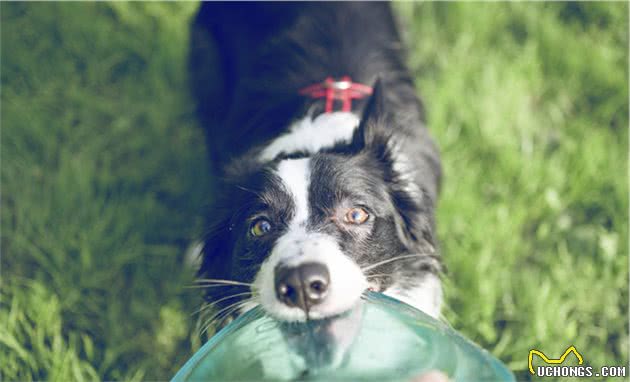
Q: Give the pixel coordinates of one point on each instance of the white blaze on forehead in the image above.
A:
(312, 135)
(296, 177)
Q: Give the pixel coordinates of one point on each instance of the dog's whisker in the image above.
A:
(209, 322)
(210, 285)
(203, 308)
(209, 305)
(234, 295)
(215, 285)
(255, 193)
(372, 266)
(226, 315)
(379, 275)
(227, 308)
(224, 312)
(221, 281)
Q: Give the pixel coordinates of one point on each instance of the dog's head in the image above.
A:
(310, 234)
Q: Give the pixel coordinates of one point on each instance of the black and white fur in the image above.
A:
(276, 155)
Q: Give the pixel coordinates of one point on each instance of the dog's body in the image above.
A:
(314, 207)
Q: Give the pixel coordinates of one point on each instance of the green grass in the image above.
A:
(103, 178)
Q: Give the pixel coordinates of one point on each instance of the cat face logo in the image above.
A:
(552, 361)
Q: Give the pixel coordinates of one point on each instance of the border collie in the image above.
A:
(326, 177)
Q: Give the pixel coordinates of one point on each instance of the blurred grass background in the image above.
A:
(104, 177)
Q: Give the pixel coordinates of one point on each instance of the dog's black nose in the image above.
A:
(302, 286)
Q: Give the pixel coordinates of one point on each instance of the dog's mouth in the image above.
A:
(324, 343)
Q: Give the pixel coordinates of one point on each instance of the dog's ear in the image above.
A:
(374, 111)
(222, 218)
(414, 205)
(373, 116)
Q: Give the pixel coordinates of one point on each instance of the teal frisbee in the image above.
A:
(382, 339)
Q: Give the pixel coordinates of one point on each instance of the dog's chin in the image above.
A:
(323, 343)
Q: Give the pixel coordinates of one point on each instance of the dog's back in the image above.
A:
(250, 59)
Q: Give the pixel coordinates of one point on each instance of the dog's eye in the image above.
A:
(356, 215)
(260, 227)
